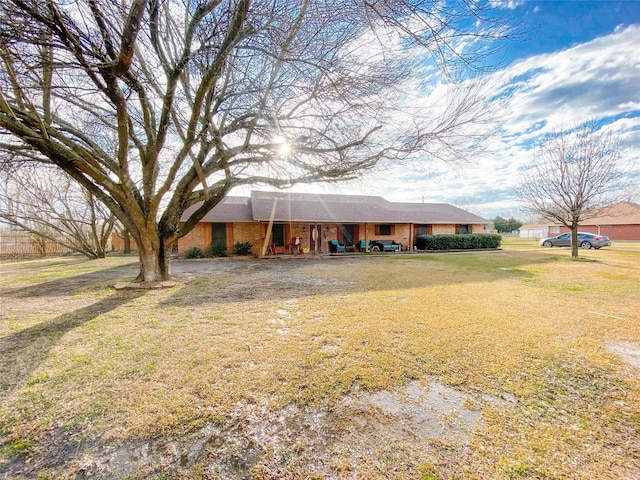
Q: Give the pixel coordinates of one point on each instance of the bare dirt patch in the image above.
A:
(367, 430)
(629, 352)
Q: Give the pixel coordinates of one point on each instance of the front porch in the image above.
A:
(296, 238)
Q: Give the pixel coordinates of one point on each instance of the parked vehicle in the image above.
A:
(585, 240)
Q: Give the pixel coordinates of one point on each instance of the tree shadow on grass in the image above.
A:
(65, 285)
(24, 351)
(282, 279)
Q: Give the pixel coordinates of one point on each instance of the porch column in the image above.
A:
(366, 242)
(411, 236)
(267, 237)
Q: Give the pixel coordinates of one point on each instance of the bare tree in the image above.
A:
(575, 172)
(47, 203)
(156, 106)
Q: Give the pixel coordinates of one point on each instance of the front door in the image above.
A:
(278, 237)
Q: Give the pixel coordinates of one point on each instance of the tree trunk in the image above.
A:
(165, 260)
(127, 241)
(574, 241)
(155, 261)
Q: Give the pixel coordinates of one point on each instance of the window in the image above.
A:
(384, 229)
(424, 230)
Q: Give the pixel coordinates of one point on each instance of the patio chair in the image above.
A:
(336, 247)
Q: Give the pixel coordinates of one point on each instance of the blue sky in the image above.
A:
(578, 60)
(554, 26)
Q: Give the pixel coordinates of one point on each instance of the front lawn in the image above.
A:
(518, 363)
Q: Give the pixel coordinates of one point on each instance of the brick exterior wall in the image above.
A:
(614, 232)
(200, 236)
(403, 232)
(451, 229)
(256, 233)
(117, 243)
(444, 229)
(245, 232)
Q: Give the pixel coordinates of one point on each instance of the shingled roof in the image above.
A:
(330, 208)
(230, 209)
(621, 213)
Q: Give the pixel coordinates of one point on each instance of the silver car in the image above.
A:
(585, 240)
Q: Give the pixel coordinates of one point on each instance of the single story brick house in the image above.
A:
(274, 221)
(619, 221)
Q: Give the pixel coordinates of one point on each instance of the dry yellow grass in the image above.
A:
(531, 326)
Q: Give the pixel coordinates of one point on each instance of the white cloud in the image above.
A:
(599, 79)
(510, 4)
(594, 79)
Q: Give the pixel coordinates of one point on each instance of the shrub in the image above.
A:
(193, 252)
(458, 242)
(216, 250)
(242, 248)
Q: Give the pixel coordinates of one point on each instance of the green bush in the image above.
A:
(458, 242)
(242, 248)
(193, 252)
(216, 250)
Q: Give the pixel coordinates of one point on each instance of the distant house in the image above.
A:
(620, 221)
(274, 220)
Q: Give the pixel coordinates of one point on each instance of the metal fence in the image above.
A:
(16, 245)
